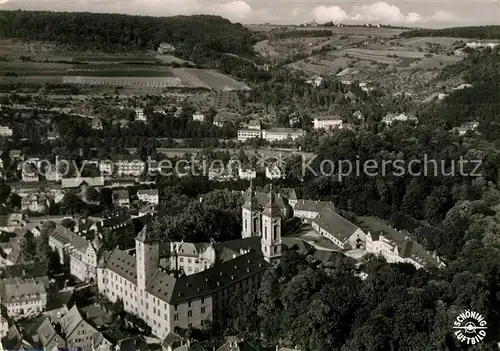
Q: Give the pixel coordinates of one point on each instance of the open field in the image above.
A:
(117, 70)
(117, 75)
(373, 31)
(171, 59)
(114, 59)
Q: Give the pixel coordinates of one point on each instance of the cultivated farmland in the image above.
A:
(141, 76)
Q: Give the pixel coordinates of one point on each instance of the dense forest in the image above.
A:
(479, 103)
(476, 32)
(188, 34)
(202, 39)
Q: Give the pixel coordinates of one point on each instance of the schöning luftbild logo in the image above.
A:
(470, 327)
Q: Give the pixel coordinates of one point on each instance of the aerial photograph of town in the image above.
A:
(229, 175)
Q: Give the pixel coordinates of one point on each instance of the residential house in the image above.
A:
(5, 132)
(9, 223)
(359, 116)
(327, 122)
(254, 125)
(149, 196)
(96, 123)
(166, 48)
(224, 174)
(86, 188)
(123, 182)
(25, 297)
(35, 203)
(29, 172)
(465, 127)
(235, 343)
(15, 154)
(247, 173)
(81, 253)
(120, 198)
(392, 117)
(224, 117)
(52, 135)
(198, 116)
(274, 171)
(128, 165)
(122, 224)
(172, 341)
(316, 81)
(49, 337)
(139, 115)
(11, 252)
(14, 340)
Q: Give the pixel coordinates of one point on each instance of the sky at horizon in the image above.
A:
(424, 13)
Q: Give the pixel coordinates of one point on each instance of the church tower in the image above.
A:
(250, 214)
(147, 255)
(271, 230)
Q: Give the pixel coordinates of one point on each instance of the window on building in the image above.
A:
(189, 260)
(175, 307)
(189, 304)
(190, 313)
(176, 317)
(202, 300)
(190, 325)
(202, 310)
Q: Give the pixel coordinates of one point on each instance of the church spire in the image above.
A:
(271, 208)
(251, 202)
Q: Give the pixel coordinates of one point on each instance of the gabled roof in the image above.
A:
(78, 181)
(328, 118)
(313, 206)
(172, 340)
(65, 236)
(46, 332)
(240, 345)
(120, 195)
(18, 289)
(335, 224)
(71, 320)
(175, 290)
(125, 157)
(148, 192)
(121, 263)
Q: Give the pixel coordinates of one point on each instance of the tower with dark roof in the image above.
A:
(147, 255)
(271, 230)
(250, 214)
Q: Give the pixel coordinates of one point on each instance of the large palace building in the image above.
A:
(213, 272)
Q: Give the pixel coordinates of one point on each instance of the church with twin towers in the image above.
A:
(172, 285)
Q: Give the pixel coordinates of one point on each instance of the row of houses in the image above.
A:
(272, 172)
